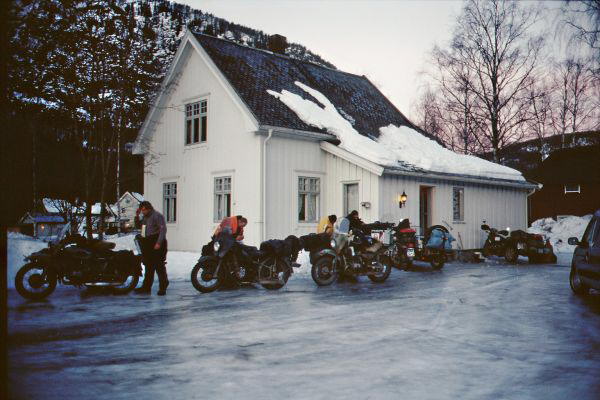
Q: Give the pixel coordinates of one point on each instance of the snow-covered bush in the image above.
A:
(558, 232)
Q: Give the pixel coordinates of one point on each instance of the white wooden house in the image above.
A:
(128, 205)
(218, 144)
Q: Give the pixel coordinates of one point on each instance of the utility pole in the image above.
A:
(119, 180)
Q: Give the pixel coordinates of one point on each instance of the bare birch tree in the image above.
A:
(493, 54)
(573, 103)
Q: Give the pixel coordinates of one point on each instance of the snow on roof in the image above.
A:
(50, 205)
(137, 196)
(396, 146)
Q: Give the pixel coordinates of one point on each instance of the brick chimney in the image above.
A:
(277, 44)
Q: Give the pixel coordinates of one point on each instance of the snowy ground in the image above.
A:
(469, 331)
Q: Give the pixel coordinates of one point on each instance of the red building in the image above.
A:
(571, 179)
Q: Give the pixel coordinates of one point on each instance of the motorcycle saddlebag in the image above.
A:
(314, 241)
(279, 248)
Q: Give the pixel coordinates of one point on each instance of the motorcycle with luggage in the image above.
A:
(75, 260)
(350, 254)
(406, 247)
(225, 262)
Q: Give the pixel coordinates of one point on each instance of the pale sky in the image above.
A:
(387, 40)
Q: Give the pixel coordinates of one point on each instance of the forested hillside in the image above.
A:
(81, 77)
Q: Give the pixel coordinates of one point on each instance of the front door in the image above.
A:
(350, 197)
(424, 208)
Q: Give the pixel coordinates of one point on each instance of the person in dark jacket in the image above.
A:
(355, 221)
(153, 243)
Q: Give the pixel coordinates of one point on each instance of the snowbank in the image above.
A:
(558, 232)
(18, 247)
(394, 143)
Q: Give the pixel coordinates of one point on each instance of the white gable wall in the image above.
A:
(232, 149)
(287, 160)
(341, 172)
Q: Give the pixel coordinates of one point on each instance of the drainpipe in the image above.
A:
(529, 193)
(264, 186)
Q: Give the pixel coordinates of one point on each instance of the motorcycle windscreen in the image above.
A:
(344, 226)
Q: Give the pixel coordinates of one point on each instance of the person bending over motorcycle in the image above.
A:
(326, 225)
(153, 244)
(234, 225)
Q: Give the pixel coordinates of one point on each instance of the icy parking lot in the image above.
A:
(469, 331)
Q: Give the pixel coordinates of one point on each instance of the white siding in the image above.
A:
(231, 149)
(500, 207)
(287, 159)
(339, 172)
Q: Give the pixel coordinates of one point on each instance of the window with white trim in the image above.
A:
(170, 201)
(572, 189)
(308, 198)
(458, 204)
(222, 198)
(196, 120)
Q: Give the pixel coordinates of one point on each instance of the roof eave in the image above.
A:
(464, 178)
(294, 133)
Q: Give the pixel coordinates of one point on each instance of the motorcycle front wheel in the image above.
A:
(265, 274)
(511, 254)
(381, 277)
(438, 261)
(323, 271)
(35, 282)
(203, 276)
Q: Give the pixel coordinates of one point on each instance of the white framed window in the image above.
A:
(572, 189)
(196, 122)
(222, 206)
(170, 201)
(308, 198)
(458, 204)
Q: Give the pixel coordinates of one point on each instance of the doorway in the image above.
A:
(350, 197)
(425, 208)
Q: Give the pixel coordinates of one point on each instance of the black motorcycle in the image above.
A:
(75, 260)
(512, 244)
(351, 254)
(225, 263)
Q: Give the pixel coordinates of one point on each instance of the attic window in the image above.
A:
(196, 116)
(572, 189)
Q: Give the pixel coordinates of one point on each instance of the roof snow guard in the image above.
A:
(252, 72)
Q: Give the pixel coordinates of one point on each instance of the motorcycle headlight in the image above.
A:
(216, 246)
(332, 243)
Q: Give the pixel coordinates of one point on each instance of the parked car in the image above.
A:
(585, 267)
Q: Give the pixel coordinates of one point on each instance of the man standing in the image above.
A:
(153, 244)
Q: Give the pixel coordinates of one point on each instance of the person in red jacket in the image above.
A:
(234, 225)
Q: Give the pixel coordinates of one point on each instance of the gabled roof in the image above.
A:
(251, 72)
(136, 196)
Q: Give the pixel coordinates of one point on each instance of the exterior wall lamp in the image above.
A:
(402, 199)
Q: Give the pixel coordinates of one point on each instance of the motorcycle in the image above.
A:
(226, 262)
(511, 245)
(75, 260)
(350, 254)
